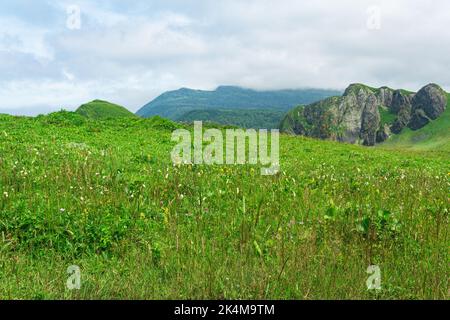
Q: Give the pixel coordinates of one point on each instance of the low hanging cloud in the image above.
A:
(129, 53)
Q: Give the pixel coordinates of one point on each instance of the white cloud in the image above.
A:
(130, 54)
(69, 76)
(19, 36)
(137, 39)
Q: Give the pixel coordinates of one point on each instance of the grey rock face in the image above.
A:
(350, 113)
(419, 120)
(400, 101)
(383, 134)
(385, 96)
(403, 119)
(400, 105)
(370, 121)
(428, 104)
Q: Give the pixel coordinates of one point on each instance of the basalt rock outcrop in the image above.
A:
(366, 115)
(428, 104)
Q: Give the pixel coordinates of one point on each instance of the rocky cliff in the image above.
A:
(366, 115)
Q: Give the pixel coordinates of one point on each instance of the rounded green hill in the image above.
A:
(100, 110)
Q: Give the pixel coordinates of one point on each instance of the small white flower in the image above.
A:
(6, 194)
(62, 210)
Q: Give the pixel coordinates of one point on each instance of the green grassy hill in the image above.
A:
(100, 110)
(105, 196)
(434, 136)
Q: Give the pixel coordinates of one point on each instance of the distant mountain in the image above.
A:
(175, 104)
(243, 118)
(369, 116)
(99, 110)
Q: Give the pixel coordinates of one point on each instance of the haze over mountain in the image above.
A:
(175, 104)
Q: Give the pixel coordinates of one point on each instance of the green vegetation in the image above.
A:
(175, 104)
(406, 92)
(387, 117)
(105, 196)
(435, 136)
(294, 118)
(257, 118)
(356, 87)
(101, 110)
(296, 122)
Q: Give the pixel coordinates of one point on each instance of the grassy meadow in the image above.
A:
(105, 196)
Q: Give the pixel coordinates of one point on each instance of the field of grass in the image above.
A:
(105, 196)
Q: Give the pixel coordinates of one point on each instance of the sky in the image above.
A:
(60, 54)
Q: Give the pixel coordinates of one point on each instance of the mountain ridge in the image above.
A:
(367, 115)
(174, 104)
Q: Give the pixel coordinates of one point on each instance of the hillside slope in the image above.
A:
(244, 118)
(99, 110)
(175, 104)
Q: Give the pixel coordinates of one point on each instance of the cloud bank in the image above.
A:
(130, 52)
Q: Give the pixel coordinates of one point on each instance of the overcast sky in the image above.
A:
(129, 52)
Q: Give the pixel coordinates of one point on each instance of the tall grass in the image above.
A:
(106, 197)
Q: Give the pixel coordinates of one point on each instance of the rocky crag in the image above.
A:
(366, 115)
